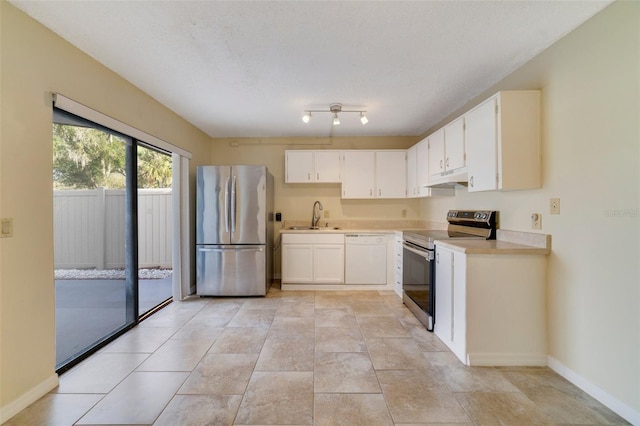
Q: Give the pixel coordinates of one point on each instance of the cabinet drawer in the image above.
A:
(313, 238)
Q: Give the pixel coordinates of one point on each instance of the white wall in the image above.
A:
(34, 63)
(590, 83)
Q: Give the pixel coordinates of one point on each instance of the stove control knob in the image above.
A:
(484, 216)
(477, 215)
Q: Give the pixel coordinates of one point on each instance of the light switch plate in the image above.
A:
(326, 214)
(7, 228)
(554, 206)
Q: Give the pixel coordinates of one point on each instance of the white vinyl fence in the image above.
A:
(89, 228)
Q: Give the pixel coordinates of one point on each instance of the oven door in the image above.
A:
(418, 273)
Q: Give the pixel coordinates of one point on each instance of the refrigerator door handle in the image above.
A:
(256, 248)
(226, 205)
(233, 205)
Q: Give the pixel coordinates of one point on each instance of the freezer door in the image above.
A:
(213, 205)
(231, 271)
(248, 205)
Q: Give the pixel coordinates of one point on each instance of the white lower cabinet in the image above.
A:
(490, 308)
(313, 258)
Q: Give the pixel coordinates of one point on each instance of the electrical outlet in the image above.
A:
(326, 214)
(554, 206)
(536, 221)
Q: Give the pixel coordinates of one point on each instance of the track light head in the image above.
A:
(363, 118)
(307, 117)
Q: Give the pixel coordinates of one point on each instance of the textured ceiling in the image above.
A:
(250, 68)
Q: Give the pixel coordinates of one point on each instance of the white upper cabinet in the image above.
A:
(503, 142)
(374, 174)
(312, 166)
(436, 154)
(359, 174)
(418, 173)
(299, 166)
(447, 151)
(390, 174)
(327, 166)
(412, 173)
(422, 163)
(454, 145)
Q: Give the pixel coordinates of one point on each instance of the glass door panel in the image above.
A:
(154, 228)
(95, 294)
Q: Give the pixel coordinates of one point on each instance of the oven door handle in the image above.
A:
(427, 254)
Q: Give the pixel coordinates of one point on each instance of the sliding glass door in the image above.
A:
(94, 252)
(112, 234)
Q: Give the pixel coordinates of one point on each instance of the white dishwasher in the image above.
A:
(365, 259)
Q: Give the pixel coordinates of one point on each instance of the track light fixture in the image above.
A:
(334, 109)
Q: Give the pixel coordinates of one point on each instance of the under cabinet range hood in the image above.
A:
(450, 178)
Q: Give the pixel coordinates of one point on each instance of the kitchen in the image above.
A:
(590, 161)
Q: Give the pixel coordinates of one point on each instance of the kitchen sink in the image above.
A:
(313, 228)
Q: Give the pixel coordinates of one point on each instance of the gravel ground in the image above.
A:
(109, 274)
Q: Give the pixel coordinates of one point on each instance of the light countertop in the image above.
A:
(489, 247)
(507, 242)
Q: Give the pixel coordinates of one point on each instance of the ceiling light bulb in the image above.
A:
(363, 119)
(336, 120)
(307, 117)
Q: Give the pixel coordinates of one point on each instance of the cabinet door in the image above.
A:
(328, 263)
(459, 325)
(412, 173)
(422, 163)
(297, 263)
(436, 153)
(391, 181)
(444, 295)
(481, 138)
(359, 174)
(299, 165)
(327, 166)
(454, 145)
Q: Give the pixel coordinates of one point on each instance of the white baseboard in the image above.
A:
(507, 360)
(611, 402)
(28, 398)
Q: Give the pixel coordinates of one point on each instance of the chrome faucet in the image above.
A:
(315, 218)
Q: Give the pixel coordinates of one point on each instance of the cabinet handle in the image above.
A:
(370, 192)
(317, 176)
(471, 181)
(437, 257)
(447, 162)
(441, 164)
(379, 192)
(308, 176)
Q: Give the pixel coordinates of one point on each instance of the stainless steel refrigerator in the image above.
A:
(234, 230)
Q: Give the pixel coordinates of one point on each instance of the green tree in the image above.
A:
(154, 169)
(88, 158)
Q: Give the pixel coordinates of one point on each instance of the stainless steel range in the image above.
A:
(418, 266)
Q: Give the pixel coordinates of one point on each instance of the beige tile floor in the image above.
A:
(300, 358)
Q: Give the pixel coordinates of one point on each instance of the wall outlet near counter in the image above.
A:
(326, 214)
(554, 206)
